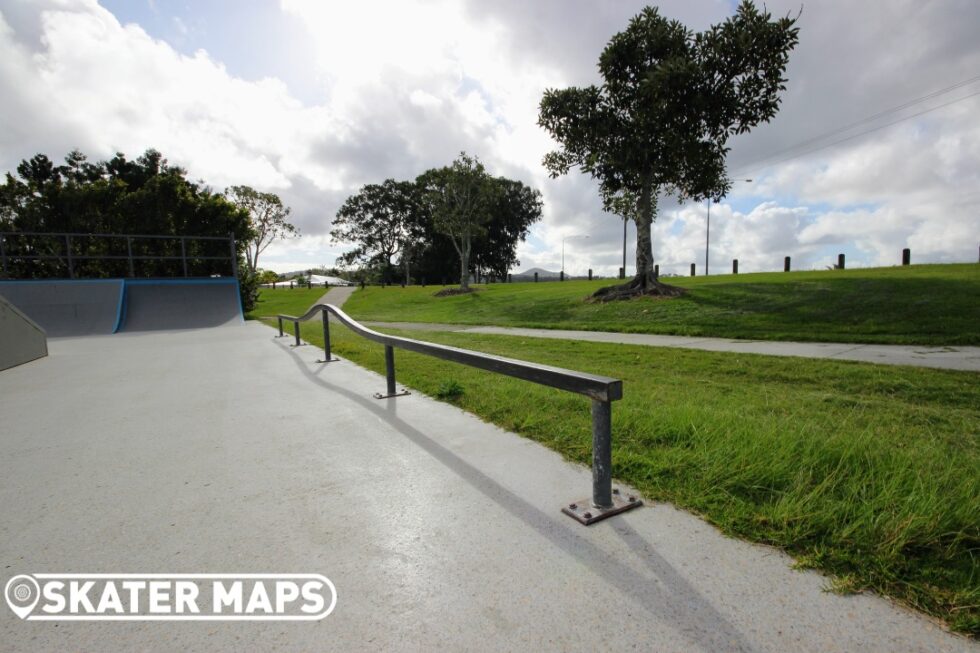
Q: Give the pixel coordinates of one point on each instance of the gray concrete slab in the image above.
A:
(227, 450)
(950, 358)
(337, 295)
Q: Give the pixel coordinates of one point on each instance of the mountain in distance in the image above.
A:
(542, 273)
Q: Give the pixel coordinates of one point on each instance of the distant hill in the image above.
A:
(542, 274)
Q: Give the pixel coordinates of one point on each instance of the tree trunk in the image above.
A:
(464, 265)
(647, 207)
(644, 283)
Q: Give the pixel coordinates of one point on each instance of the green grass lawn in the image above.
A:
(870, 473)
(284, 301)
(922, 304)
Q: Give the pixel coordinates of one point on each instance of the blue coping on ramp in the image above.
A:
(68, 307)
(78, 307)
(170, 304)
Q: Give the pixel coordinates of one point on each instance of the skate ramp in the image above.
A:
(65, 308)
(21, 339)
(171, 304)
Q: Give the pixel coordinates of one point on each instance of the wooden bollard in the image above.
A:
(590, 274)
(734, 266)
(906, 256)
(786, 264)
(535, 277)
(840, 261)
(692, 269)
(656, 271)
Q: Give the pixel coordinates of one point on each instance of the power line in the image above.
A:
(880, 114)
(744, 170)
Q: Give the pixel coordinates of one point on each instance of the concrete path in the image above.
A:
(337, 295)
(226, 450)
(949, 358)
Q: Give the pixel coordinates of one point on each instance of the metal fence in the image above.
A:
(40, 255)
(602, 390)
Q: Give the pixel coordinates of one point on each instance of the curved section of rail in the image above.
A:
(602, 390)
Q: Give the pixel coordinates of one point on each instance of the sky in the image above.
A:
(876, 146)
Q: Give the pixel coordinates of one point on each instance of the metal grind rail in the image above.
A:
(602, 390)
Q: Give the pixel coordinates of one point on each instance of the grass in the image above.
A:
(869, 473)
(922, 305)
(284, 301)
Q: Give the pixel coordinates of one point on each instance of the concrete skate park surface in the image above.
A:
(68, 308)
(227, 451)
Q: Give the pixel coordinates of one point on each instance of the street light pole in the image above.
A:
(707, 238)
(624, 247)
(563, 250)
(707, 231)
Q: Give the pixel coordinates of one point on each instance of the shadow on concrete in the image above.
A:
(670, 598)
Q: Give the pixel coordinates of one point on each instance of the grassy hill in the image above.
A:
(922, 304)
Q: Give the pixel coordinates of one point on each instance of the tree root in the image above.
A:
(637, 287)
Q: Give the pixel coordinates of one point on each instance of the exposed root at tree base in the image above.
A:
(449, 292)
(636, 288)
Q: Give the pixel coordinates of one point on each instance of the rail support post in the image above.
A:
(392, 391)
(296, 333)
(327, 358)
(280, 328)
(606, 501)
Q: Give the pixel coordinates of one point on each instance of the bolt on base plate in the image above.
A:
(585, 513)
(378, 395)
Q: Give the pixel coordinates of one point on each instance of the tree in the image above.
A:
(459, 198)
(119, 196)
(381, 219)
(267, 218)
(266, 276)
(514, 208)
(660, 122)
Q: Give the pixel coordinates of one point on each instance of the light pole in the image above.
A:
(563, 251)
(707, 231)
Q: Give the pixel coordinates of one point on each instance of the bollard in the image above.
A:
(510, 278)
(290, 285)
(656, 271)
(590, 274)
(561, 275)
(786, 264)
(906, 256)
(535, 277)
(692, 269)
(734, 266)
(622, 273)
(840, 261)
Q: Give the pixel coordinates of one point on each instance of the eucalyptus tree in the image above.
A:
(459, 198)
(267, 217)
(660, 122)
